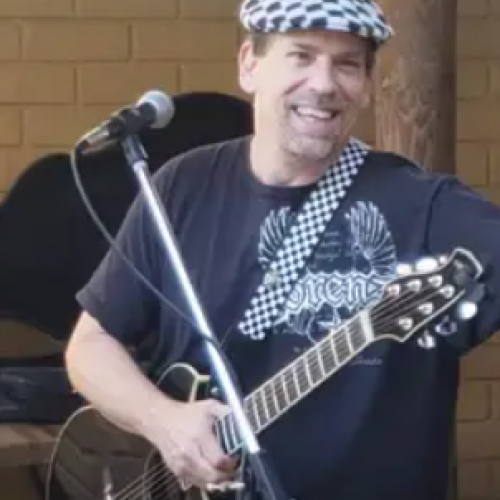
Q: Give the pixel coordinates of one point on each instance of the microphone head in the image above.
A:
(163, 105)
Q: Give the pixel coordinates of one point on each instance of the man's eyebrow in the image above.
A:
(346, 53)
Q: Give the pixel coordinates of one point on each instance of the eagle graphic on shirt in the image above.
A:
(353, 262)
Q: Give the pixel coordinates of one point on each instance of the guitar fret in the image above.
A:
(269, 400)
(220, 429)
(293, 383)
(358, 339)
(341, 346)
(250, 413)
(256, 409)
(279, 393)
(328, 355)
(302, 376)
(314, 366)
(321, 364)
(286, 392)
(232, 432)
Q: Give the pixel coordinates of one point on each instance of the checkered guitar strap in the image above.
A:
(299, 242)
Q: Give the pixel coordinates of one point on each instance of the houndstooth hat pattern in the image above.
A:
(362, 17)
(299, 244)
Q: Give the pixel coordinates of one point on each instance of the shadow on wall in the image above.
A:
(49, 246)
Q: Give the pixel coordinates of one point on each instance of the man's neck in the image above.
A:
(270, 166)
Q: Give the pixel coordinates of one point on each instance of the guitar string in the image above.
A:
(168, 478)
(171, 483)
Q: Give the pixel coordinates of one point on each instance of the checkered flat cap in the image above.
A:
(361, 17)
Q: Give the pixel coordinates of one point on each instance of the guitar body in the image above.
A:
(90, 451)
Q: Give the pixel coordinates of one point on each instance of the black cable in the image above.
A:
(111, 241)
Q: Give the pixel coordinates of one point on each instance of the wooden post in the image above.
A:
(415, 95)
(415, 83)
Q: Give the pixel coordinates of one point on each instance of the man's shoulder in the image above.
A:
(206, 157)
(402, 168)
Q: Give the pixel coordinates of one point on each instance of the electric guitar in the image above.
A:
(93, 459)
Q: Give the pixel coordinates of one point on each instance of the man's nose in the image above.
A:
(323, 79)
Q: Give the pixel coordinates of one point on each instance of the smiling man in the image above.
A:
(287, 234)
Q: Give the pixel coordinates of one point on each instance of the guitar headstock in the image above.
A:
(427, 290)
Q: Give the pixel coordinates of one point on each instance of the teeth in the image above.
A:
(319, 114)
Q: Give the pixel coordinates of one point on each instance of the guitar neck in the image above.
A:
(289, 386)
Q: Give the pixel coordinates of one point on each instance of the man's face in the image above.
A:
(308, 88)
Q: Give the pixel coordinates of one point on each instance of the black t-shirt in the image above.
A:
(382, 427)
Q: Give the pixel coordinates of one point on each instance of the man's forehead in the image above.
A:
(323, 41)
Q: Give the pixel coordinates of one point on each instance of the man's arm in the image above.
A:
(101, 369)
(460, 217)
(118, 309)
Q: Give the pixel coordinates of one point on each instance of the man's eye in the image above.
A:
(300, 56)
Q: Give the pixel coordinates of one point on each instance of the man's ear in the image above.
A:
(246, 67)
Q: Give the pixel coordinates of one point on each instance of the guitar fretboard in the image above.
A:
(277, 395)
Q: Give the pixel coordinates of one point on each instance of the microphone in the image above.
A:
(153, 110)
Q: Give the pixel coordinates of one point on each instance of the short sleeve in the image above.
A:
(461, 217)
(115, 296)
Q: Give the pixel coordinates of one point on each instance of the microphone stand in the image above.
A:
(263, 475)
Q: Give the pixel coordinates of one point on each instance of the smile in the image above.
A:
(315, 114)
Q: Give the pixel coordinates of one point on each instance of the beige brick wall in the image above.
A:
(65, 64)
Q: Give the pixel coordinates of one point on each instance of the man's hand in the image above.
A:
(184, 436)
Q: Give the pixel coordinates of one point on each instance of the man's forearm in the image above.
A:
(102, 371)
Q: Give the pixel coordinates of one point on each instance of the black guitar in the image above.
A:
(93, 459)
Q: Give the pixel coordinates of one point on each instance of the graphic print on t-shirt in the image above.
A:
(352, 264)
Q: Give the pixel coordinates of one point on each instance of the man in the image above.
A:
(381, 427)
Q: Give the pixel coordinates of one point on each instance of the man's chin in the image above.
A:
(314, 150)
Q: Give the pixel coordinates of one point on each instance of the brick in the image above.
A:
(221, 77)
(67, 124)
(10, 41)
(76, 41)
(214, 9)
(24, 160)
(126, 8)
(478, 37)
(474, 401)
(478, 440)
(494, 79)
(477, 120)
(36, 83)
(185, 40)
(474, 480)
(14, 160)
(472, 8)
(495, 479)
(494, 7)
(472, 163)
(124, 82)
(482, 362)
(472, 79)
(10, 159)
(36, 8)
(495, 399)
(494, 164)
(10, 126)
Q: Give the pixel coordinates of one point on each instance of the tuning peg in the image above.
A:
(466, 310)
(426, 341)
(404, 269)
(442, 259)
(426, 264)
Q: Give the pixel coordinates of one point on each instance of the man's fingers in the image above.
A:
(213, 453)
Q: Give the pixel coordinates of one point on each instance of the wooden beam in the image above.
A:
(415, 83)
